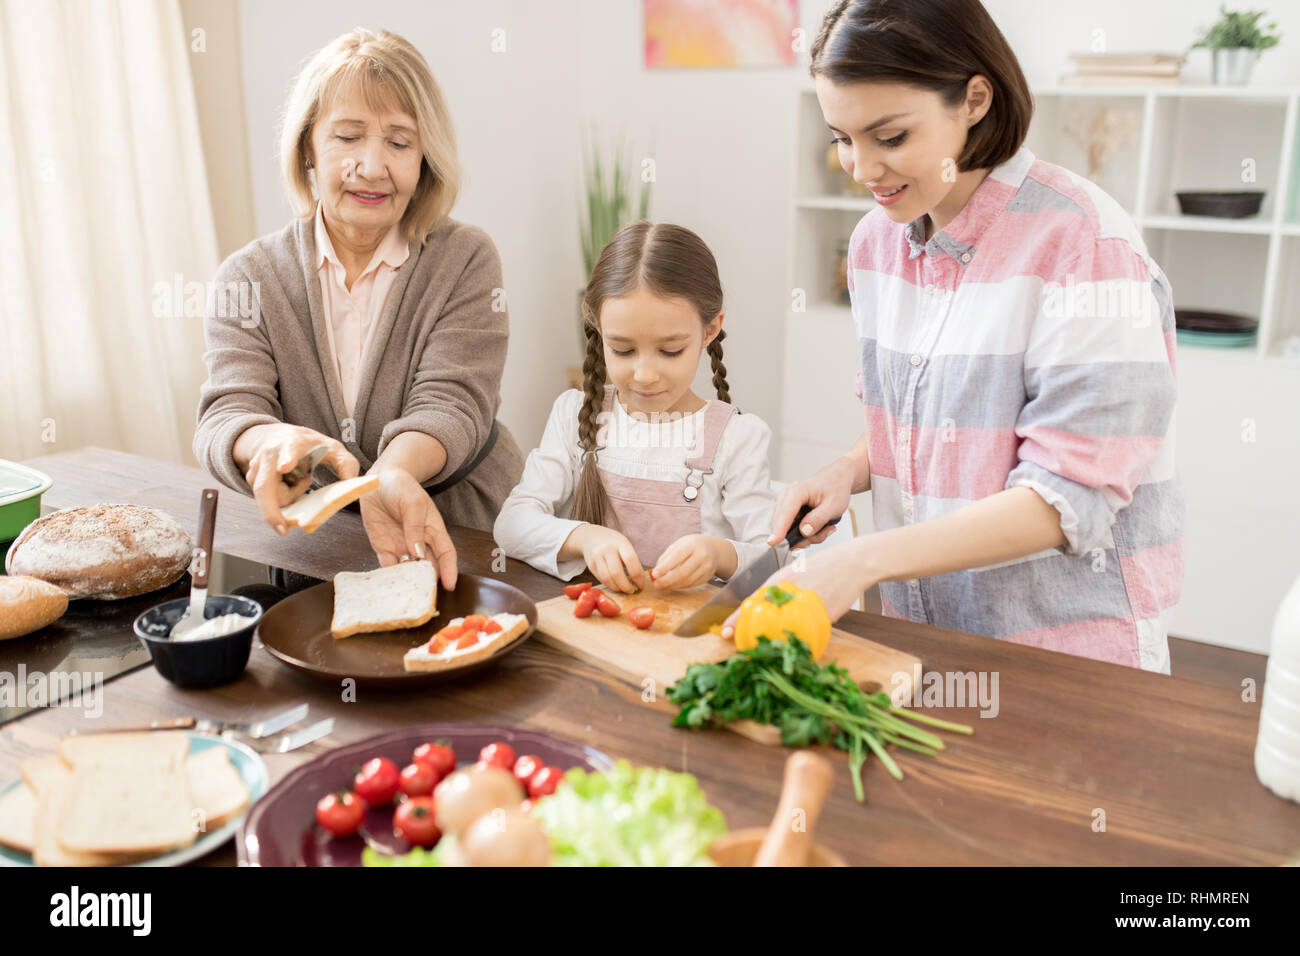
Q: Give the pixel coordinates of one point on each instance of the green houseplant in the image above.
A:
(1235, 42)
(608, 202)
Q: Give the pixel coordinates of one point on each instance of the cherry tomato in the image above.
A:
(414, 822)
(498, 754)
(469, 640)
(377, 782)
(438, 755)
(418, 780)
(544, 782)
(491, 627)
(525, 767)
(341, 813)
(642, 616)
(573, 591)
(473, 624)
(586, 603)
(607, 606)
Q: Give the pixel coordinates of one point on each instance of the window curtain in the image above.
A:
(107, 241)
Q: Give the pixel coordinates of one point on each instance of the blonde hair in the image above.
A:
(388, 70)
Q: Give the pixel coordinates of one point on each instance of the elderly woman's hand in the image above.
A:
(267, 452)
(402, 522)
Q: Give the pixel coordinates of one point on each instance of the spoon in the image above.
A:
(193, 616)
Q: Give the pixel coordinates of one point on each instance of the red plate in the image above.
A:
(280, 829)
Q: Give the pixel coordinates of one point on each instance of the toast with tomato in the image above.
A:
(465, 640)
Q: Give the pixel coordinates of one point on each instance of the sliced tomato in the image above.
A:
(469, 640)
(607, 606)
(642, 616)
(573, 590)
(586, 604)
(491, 627)
(473, 623)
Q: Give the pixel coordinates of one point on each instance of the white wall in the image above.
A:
(724, 151)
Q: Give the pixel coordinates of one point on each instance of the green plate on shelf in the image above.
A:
(1223, 340)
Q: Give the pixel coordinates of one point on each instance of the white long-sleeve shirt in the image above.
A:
(736, 500)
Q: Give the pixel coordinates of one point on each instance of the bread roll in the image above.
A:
(107, 552)
(28, 604)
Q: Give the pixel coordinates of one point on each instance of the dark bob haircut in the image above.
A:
(934, 45)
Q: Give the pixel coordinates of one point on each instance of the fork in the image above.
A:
(255, 729)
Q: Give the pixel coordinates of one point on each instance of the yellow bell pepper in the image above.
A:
(772, 611)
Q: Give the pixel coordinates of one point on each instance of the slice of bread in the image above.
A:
(127, 810)
(18, 818)
(159, 749)
(49, 779)
(422, 659)
(386, 599)
(216, 788)
(312, 510)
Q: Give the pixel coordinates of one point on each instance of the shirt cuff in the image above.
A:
(1085, 516)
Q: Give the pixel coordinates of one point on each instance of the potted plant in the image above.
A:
(1235, 43)
(607, 209)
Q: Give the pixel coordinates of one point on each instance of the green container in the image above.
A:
(20, 497)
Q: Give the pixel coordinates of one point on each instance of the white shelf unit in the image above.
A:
(1240, 556)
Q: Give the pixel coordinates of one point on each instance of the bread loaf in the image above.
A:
(27, 604)
(108, 552)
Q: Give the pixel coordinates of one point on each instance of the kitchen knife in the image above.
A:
(743, 583)
(306, 465)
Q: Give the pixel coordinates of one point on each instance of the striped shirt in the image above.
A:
(1030, 343)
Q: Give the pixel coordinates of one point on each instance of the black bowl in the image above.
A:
(209, 662)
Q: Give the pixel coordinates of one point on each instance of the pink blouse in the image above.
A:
(354, 315)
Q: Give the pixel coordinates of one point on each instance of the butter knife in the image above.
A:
(743, 583)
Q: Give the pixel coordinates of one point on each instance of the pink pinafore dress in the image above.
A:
(652, 513)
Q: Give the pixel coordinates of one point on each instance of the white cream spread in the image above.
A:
(216, 627)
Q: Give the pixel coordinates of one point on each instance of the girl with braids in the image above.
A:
(636, 475)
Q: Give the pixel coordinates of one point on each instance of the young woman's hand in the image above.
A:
(609, 555)
(827, 491)
(693, 560)
(265, 452)
(402, 522)
(838, 574)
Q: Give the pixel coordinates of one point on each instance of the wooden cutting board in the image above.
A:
(654, 659)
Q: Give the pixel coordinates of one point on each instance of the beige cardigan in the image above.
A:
(434, 364)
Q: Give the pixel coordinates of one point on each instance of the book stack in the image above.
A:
(1124, 69)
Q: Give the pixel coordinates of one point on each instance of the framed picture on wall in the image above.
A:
(719, 33)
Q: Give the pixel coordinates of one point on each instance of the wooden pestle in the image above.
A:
(789, 838)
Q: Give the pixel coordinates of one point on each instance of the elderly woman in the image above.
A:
(381, 329)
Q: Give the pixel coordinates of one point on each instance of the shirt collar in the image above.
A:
(960, 238)
(392, 252)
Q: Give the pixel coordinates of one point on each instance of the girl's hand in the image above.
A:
(839, 575)
(272, 450)
(402, 522)
(827, 492)
(692, 560)
(609, 555)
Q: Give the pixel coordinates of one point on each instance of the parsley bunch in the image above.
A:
(779, 683)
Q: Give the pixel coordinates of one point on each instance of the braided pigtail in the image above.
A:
(591, 500)
(719, 370)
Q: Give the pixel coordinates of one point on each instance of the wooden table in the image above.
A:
(1168, 761)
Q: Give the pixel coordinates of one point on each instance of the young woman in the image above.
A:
(1017, 358)
(636, 473)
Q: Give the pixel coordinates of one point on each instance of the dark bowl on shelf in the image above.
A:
(209, 662)
(1196, 320)
(1222, 205)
